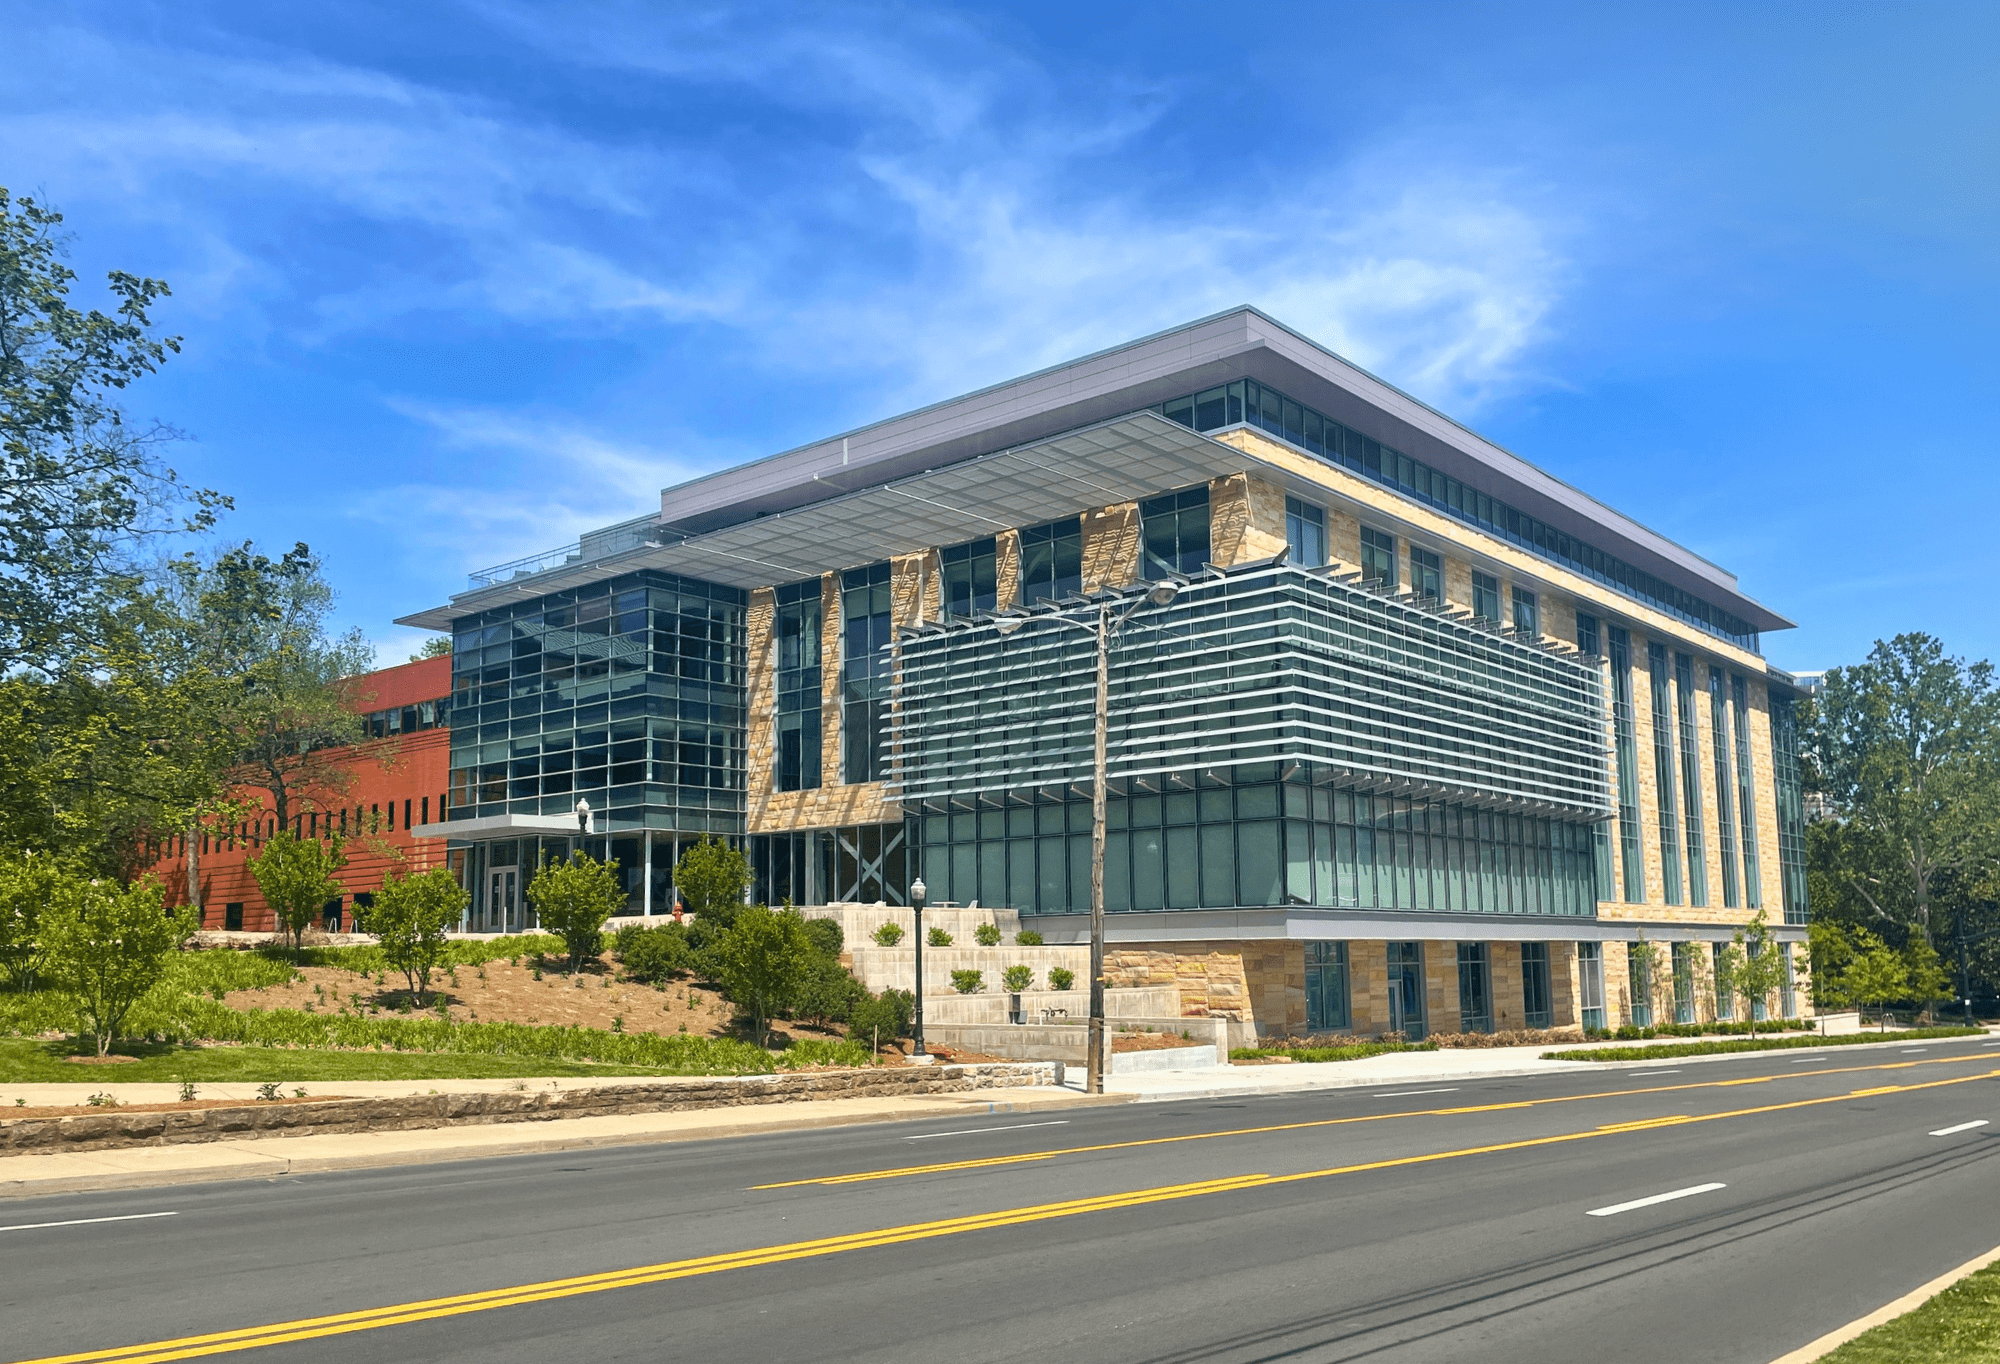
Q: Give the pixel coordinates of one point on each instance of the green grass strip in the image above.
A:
(1959, 1326)
(1722, 1047)
(30, 1062)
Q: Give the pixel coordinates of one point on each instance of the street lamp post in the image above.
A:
(917, 892)
(1106, 626)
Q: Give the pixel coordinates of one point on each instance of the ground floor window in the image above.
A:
(1639, 980)
(1725, 998)
(1327, 1007)
(1406, 989)
(1475, 988)
(1683, 982)
(1760, 1008)
(1590, 983)
(1535, 993)
(1788, 998)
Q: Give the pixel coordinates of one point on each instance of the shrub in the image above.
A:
(296, 876)
(712, 878)
(987, 935)
(826, 935)
(875, 1019)
(108, 946)
(410, 915)
(940, 938)
(651, 954)
(574, 898)
(968, 982)
(888, 935)
(817, 1051)
(828, 992)
(1061, 978)
(763, 962)
(1018, 978)
(1027, 937)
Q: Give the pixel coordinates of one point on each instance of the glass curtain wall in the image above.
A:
(1791, 805)
(865, 632)
(1746, 799)
(797, 737)
(1246, 402)
(1725, 781)
(1690, 745)
(1663, 772)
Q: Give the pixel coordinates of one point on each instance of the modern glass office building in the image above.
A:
(1425, 738)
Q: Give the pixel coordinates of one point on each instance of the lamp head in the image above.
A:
(917, 892)
(1163, 592)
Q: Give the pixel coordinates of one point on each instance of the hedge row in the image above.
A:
(1671, 1049)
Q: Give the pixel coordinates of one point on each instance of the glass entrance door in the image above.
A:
(1406, 989)
(500, 897)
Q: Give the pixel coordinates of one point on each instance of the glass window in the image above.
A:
(968, 581)
(1791, 805)
(1624, 728)
(1683, 961)
(1663, 772)
(796, 725)
(1639, 982)
(1690, 746)
(1174, 533)
(1486, 597)
(1788, 999)
(1305, 532)
(1406, 990)
(865, 627)
(1426, 574)
(1746, 805)
(1725, 999)
(1327, 1006)
(1587, 635)
(1725, 781)
(1475, 994)
(1378, 556)
(1590, 983)
(1527, 613)
(1535, 993)
(1052, 560)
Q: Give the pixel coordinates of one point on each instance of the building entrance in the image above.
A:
(501, 895)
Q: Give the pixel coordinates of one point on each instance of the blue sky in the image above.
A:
(458, 281)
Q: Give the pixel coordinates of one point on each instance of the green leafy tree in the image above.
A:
(437, 646)
(1905, 750)
(81, 484)
(712, 878)
(763, 961)
(1757, 967)
(1876, 975)
(297, 876)
(29, 884)
(827, 936)
(876, 1019)
(653, 953)
(1929, 982)
(106, 946)
(1832, 950)
(411, 917)
(574, 899)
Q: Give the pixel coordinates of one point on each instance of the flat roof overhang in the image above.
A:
(487, 828)
(1138, 455)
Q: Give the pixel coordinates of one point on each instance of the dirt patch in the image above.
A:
(83, 1106)
(1150, 1041)
(112, 1060)
(508, 992)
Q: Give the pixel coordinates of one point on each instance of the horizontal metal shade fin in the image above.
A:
(1274, 664)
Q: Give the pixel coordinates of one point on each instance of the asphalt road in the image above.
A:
(1468, 1221)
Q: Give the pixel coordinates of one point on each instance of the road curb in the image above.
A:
(233, 1161)
(1909, 1302)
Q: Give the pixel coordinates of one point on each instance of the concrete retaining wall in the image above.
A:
(108, 1129)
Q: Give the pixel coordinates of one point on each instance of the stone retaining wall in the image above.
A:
(106, 1129)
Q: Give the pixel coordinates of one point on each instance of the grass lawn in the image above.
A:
(1959, 1326)
(1665, 1050)
(32, 1062)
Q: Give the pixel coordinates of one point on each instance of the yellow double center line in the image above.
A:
(346, 1323)
(1027, 1157)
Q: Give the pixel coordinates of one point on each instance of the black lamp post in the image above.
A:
(917, 892)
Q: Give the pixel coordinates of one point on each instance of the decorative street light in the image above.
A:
(918, 890)
(582, 818)
(1105, 626)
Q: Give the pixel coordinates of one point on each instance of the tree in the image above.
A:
(1832, 950)
(1757, 966)
(573, 899)
(437, 646)
(410, 917)
(712, 878)
(876, 1019)
(80, 484)
(1928, 980)
(1876, 975)
(762, 962)
(297, 878)
(1905, 750)
(30, 884)
(107, 946)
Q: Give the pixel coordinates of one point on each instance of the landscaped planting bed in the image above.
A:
(1723, 1046)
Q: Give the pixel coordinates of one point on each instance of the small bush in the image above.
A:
(939, 938)
(653, 954)
(968, 982)
(1061, 978)
(1018, 978)
(827, 994)
(888, 935)
(817, 1051)
(987, 935)
(1027, 937)
(826, 935)
(884, 1017)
